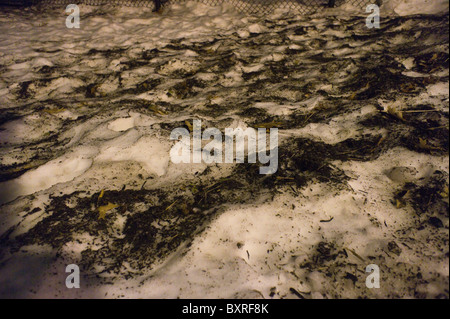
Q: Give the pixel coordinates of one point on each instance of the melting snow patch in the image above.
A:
(121, 124)
(57, 171)
(439, 89)
(149, 151)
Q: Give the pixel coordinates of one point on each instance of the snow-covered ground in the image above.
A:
(86, 178)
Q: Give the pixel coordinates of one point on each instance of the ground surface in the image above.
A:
(85, 120)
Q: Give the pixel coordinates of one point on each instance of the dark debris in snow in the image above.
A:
(343, 79)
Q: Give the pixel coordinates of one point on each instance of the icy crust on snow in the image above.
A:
(86, 117)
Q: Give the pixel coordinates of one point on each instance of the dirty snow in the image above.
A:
(85, 120)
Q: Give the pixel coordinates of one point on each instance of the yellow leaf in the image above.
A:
(189, 125)
(423, 144)
(94, 89)
(382, 139)
(444, 194)
(155, 109)
(102, 210)
(399, 204)
(395, 113)
(24, 167)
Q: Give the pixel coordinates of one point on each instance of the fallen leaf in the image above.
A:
(189, 125)
(155, 109)
(94, 89)
(399, 204)
(382, 139)
(102, 210)
(407, 87)
(444, 193)
(423, 144)
(395, 113)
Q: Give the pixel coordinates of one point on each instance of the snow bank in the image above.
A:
(60, 170)
(410, 7)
